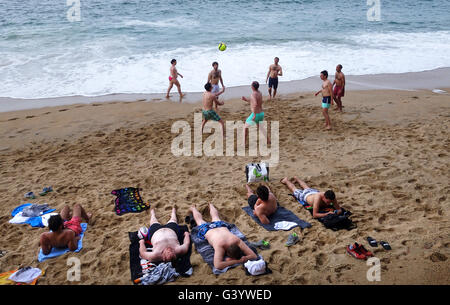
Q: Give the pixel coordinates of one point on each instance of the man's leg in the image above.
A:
(153, 218)
(78, 211)
(223, 127)
(270, 93)
(65, 213)
(301, 182)
(173, 216)
(214, 212)
(249, 191)
(197, 215)
(289, 184)
(327, 118)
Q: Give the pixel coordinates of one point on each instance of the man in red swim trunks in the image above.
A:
(339, 87)
(65, 229)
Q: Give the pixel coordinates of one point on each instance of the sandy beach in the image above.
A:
(387, 159)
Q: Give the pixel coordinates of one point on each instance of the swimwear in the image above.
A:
(273, 82)
(205, 227)
(258, 118)
(170, 78)
(326, 102)
(252, 201)
(338, 91)
(210, 115)
(74, 224)
(301, 195)
(215, 89)
(156, 226)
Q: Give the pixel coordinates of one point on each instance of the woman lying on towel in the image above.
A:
(228, 248)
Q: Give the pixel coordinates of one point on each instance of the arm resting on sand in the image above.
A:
(144, 253)
(183, 249)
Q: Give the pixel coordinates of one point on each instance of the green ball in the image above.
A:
(222, 46)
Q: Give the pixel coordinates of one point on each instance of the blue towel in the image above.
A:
(60, 251)
(281, 214)
(33, 221)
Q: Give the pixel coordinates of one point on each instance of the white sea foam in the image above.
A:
(108, 66)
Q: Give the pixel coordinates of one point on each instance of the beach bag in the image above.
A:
(257, 172)
(336, 222)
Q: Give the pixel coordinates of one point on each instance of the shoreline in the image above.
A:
(409, 81)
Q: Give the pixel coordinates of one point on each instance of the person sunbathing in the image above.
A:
(65, 229)
(320, 201)
(263, 204)
(164, 239)
(228, 248)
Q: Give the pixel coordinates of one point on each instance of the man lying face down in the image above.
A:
(228, 248)
(66, 229)
(264, 203)
(164, 239)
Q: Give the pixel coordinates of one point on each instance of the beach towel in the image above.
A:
(282, 219)
(207, 251)
(182, 265)
(346, 222)
(128, 200)
(55, 252)
(36, 221)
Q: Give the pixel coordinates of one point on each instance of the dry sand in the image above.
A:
(387, 160)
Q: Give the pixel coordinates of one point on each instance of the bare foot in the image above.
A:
(89, 216)
(167, 96)
(284, 180)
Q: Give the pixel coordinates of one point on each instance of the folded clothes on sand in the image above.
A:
(282, 219)
(55, 252)
(25, 275)
(207, 251)
(36, 221)
(128, 200)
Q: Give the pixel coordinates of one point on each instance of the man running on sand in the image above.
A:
(173, 79)
(213, 78)
(208, 100)
(66, 229)
(320, 201)
(327, 97)
(164, 239)
(339, 87)
(257, 115)
(228, 248)
(275, 70)
(263, 204)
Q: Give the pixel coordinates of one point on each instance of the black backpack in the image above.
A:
(337, 222)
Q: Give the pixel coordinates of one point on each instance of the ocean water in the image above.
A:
(125, 46)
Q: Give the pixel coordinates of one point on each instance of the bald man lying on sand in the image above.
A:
(66, 229)
(228, 248)
(164, 239)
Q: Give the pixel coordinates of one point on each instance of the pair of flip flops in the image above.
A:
(45, 191)
(372, 242)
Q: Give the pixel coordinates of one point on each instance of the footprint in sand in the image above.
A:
(13, 119)
(63, 110)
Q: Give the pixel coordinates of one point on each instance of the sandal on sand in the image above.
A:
(30, 195)
(262, 244)
(372, 241)
(354, 251)
(292, 240)
(385, 245)
(46, 190)
(190, 221)
(2, 253)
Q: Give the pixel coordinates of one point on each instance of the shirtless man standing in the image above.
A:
(228, 248)
(327, 97)
(66, 229)
(164, 239)
(208, 100)
(339, 87)
(272, 76)
(213, 78)
(257, 114)
(173, 79)
(264, 203)
(320, 201)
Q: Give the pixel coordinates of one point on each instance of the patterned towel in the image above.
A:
(129, 201)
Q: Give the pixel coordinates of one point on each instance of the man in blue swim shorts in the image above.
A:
(327, 97)
(257, 115)
(228, 248)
